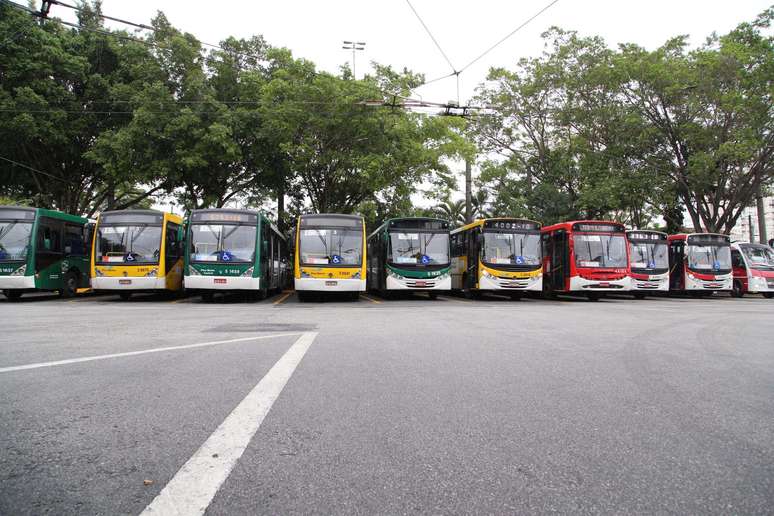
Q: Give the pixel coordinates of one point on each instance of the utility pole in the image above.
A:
(750, 226)
(468, 193)
(762, 237)
(353, 46)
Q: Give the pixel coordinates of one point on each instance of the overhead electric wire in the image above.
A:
(52, 176)
(432, 37)
(514, 31)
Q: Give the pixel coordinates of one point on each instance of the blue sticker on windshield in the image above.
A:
(716, 265)
(226, 256)
(129, 257)
(651, 265)
(519, 260)
(335, 259)
(425, 259)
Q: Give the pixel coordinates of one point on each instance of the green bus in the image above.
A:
(42, 250)
(234, 250)
(410, 254)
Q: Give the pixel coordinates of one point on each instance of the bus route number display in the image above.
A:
(602, 228)
(517, 224)
(224, 217)
(646, 236)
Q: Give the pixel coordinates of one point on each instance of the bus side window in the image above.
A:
(49, 236)
(74, 240)
(736, 259)
(172, 247)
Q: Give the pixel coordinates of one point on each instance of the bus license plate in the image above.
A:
(420, 284)
(331, 283)
(220, 281)
(124, 282)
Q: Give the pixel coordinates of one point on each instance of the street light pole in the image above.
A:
(353, 46)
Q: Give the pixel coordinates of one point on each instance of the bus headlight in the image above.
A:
(192, 271)
(20, 271)
(248, 272)
(152, 272)
(691, 276)
(99, 272)
(305, 274)
(487, 274)
(356, 275)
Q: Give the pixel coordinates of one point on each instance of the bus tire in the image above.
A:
(736, 289)
(13, 295)
(207, 297)
(639, 295)
(303, 297)
(125, 296)
(69, 285)
(768, 295)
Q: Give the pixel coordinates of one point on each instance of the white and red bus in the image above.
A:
(700, 263)
(648, 261)
(753, 269)
(585, 256)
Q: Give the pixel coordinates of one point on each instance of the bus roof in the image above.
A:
(570, 223)
(54, 214)
(649, 231)
(330, 219)
(481, 222)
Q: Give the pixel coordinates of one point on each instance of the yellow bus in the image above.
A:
(499, 254)
(137, 251)
(330, 254)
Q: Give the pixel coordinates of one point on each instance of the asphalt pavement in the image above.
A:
(386, 406)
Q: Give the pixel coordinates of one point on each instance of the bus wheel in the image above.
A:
(639, 295)
(736, 290)
(13, 295)
(768, 295)
(593, 296)
(69, 285)
(125, 296)
(208, 297)
(302, 296)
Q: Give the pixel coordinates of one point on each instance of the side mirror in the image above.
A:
(68, 249)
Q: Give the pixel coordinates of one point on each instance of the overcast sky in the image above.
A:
(464, 30)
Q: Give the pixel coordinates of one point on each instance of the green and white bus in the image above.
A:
(410, 254)
(234, 250)
(42, 250)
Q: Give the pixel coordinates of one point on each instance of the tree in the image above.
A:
(453, 211)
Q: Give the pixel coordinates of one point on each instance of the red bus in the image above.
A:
(700, 263)
(753, 269)
(588, 256)
(649, 261)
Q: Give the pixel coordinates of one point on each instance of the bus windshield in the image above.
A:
(648, 255)
(334, 246)
(709, 257)
(511, 248)
(222, 243)
(759, 257)
(419, 248)
(14, 240)
(599, 250)
(128, 244)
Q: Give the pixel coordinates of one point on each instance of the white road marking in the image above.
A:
(141, 352)
(194, 486)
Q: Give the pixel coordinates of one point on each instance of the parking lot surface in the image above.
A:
(386, 406)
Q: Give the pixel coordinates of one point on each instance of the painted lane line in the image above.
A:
(370, 299)
(283, 298)
(194, 486)
(141, 352)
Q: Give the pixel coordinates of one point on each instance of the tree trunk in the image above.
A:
(762, 236)
(468, 193)
(281, 208)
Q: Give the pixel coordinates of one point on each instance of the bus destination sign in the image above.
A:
(519, 225)
(708, 239)
(224, 216)
(647, 236)
(598, 227)
(130, 218)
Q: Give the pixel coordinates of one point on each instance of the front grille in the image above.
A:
(422, 284)
(646, 285)
(512, 283)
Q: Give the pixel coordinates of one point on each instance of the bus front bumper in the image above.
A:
(724, 282)
(128, 283)
(578, 284)
(331, 285)
(17, 282)
(654, 283)
(222, 283)
(403, 283)
(758, 285)
(489, 282)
